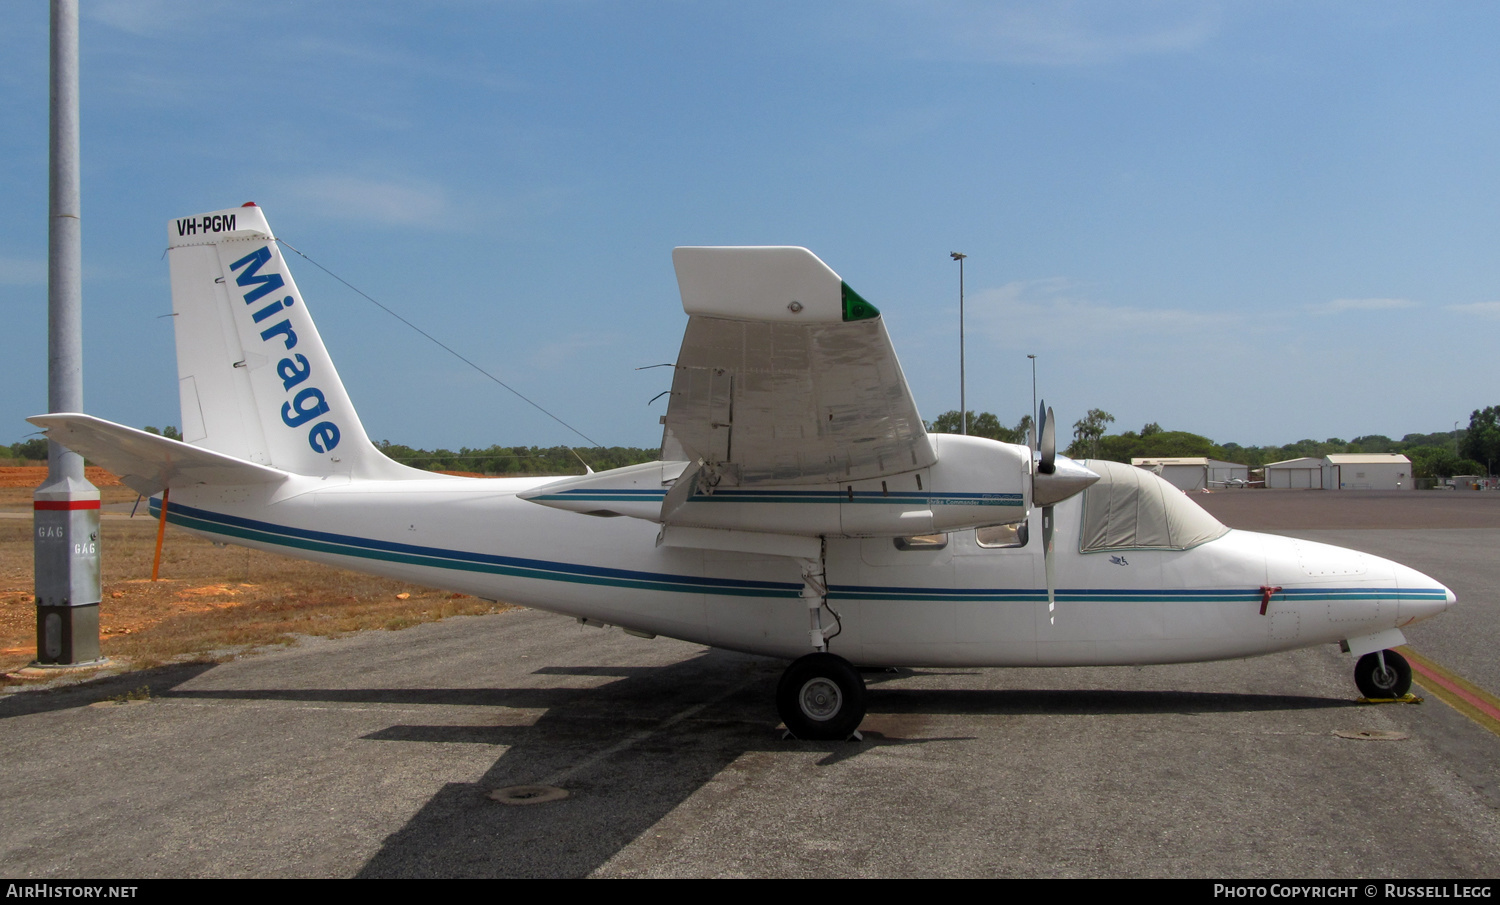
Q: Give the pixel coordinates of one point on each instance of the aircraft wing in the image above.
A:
(786, 375)
(147, 463)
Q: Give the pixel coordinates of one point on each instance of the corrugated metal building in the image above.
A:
(1367, 471)
(1305, 473)
(1195, 473)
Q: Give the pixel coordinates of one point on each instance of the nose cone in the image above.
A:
(1352, 591)
(1421, 595)
(1067, 479)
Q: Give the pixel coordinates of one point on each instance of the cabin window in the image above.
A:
(1002, 535)
(922, 542)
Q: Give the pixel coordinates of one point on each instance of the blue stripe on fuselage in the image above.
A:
(548, 570)
(794, 496)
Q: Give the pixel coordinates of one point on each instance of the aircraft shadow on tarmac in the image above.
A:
(631, 750)
(82, 694)
(636, 774)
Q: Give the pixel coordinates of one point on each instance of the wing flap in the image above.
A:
(147, 463)
(763, 395)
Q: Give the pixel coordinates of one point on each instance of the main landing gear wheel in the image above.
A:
(1391, 682)
(821, 697)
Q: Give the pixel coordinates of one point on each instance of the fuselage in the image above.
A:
(946, 602)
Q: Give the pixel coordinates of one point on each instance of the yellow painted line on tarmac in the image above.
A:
(1459, 693)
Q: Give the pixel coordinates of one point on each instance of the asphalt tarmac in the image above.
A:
(375, 755)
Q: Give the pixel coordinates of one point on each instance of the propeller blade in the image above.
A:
(1048, 462)
(1047, 561)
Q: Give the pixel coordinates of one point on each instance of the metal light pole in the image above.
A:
(963, 402)
(1033, 391)
(66, 507)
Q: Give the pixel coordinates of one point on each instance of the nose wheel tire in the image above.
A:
(1391, 682)
(821, 697)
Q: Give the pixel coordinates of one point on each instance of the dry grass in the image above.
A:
(212, 601)
(29, 477)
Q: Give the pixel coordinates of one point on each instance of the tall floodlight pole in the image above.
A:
(963, 402)
(66, 507)
(1033, 390)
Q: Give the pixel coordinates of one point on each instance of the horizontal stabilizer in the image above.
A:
(148, 463)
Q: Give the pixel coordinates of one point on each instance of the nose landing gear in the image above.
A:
(1383, 674)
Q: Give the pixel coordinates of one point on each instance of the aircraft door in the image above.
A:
(905, 587)
(1001, 567)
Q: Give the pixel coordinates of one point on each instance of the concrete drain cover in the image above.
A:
(528, 794)
(1371, 735)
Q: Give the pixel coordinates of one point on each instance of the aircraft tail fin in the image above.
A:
(255, 379)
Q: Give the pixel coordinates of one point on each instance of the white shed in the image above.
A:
(1194, 473)
(1367, 471)
(1305, 473)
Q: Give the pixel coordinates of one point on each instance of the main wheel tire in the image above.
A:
(1392, 682)
(821, 697)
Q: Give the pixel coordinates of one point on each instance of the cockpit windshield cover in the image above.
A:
(1131, 508)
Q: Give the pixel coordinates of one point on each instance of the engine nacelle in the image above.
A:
(974, 482)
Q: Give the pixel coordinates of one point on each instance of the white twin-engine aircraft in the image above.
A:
(799, 510)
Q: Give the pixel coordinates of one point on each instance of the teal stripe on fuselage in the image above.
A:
(873, 497)
(242, 528)
(463, 561)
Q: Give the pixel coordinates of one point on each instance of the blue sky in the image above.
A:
(1258, 222)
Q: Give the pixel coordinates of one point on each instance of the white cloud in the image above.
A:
(23, 272)
(1058, 33)
(384, 202)
(1058, 309)
(1480, 309)
(1338, 305)
(398, 62)
(149, 18)
(567, 349)
(900, 125)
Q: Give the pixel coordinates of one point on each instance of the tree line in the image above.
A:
(492, 460)
(1475, 450)
(519, 460)
(1439, 455)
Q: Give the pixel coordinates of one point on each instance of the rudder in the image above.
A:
(255, 379)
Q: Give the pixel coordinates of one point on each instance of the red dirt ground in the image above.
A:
(34, 475)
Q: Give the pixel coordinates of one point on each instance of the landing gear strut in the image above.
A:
(821, 697)
(1383, 674)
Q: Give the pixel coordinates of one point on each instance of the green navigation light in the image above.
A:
(855, 307)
